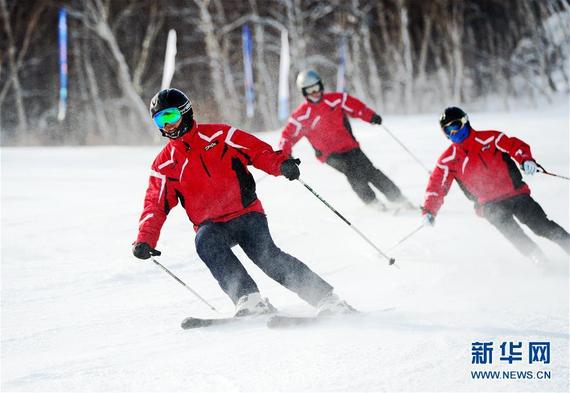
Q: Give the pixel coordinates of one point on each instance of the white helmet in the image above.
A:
(308, 78)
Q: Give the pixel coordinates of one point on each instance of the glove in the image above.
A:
(290, 168)
(529, 167)
(429, 220)
(144, 251)
(376, 119)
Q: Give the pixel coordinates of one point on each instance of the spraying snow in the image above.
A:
(80, 313)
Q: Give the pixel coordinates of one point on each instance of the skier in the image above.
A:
(323, 120)
(204, 167)
(483, 164)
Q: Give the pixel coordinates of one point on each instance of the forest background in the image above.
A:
(402, 56)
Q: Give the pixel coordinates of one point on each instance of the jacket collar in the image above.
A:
(468, 142)
(186, 139)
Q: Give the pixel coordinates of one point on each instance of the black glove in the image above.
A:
(376, 119)
(144, 251)
(290, 168)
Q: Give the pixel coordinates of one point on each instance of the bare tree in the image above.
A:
(455, 34)
(407, 71)
(213, 51)
(401, 54)
(267, 101)
(95, 16)
(375, 82)
(227, 48)
(15, 59)
(155, 23)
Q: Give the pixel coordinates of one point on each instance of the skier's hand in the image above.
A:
(290, 168)
(529, 167)
(376, 119)
(428, 220)
(144, 251)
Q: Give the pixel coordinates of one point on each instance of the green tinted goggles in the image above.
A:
(167, 116)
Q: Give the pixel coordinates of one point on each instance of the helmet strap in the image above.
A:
(182, 129)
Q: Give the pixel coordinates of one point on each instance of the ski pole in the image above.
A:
(391, 261)
(551, 174)
(406, 149)
(409, 235)
(182, 282)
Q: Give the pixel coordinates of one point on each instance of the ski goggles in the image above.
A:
(316, 88)
(167, 116)
(453, 127)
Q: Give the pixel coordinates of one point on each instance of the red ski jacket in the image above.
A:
(483, 167)
(206, 170)
(325, 124)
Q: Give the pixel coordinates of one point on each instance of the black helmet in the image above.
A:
(450, 114)
(454, 123)
(173, 98)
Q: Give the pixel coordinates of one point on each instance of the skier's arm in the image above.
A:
(160, 198)
(514, 147)
(259, 153)
(291, 134)
(438, 186)
(357, 109)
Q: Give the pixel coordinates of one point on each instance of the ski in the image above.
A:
(273, 321)
(195, 323)
(276, 321)
(286, 321)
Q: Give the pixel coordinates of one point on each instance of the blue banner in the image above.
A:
(62, 27)
(248, 69)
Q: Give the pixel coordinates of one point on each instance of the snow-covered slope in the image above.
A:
(80, 313)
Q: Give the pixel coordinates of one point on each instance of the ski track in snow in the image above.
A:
(80, 313)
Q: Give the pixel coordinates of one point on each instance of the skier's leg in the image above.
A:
(254, 238)
(344, 163)
(377, 177)
(213, 244)
(530, 213)
(500, 214)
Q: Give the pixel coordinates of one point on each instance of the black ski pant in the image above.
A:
(214, 241)
(502, 215)
(360, 172)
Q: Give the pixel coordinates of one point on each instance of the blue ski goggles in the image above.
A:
(453, 127)
(457, 130)
(167, 116)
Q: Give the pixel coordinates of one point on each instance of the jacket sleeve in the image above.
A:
(514, 147)
(160, 198)
(259, 153)
(291, 134)
(438, 186)
(356, 108)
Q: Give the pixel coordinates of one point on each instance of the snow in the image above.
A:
(81, 314)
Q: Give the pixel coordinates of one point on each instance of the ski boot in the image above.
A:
(332, 305)
(253, 304)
